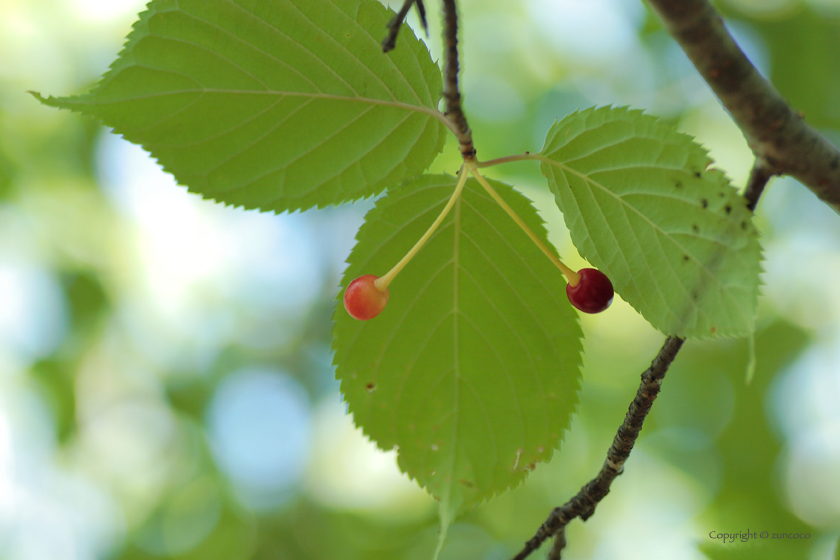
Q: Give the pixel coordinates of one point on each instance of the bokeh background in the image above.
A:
(166, 379)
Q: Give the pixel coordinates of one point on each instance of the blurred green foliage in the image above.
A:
(109, 376)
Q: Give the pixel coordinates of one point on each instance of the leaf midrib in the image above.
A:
(312, 95)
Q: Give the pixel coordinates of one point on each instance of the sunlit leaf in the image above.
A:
(472, 369)
(676, 240)
(278, 105)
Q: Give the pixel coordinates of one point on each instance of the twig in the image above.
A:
(558, 545)
(421, 10)
(396, 22)
(776, 133)
(584, 503)
(450, 88)
(759, 176)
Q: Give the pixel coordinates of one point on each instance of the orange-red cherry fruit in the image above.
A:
(363, 300)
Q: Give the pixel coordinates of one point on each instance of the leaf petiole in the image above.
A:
(382, 282)
(571, 276)
(527, 156)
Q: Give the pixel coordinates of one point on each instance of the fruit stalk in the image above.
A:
(572, 277)
(383, 282)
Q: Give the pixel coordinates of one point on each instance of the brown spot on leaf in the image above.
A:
(704, 203)
(728, 209)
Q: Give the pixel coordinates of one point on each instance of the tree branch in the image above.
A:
(776, 134)
(450, 88)
(584, 503)
(759, 176)
(396, 22)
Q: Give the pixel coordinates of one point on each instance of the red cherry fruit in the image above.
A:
(363, 300)
(593, 294)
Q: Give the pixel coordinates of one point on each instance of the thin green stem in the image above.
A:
(571, 276)
(508, 159)
(383, 282)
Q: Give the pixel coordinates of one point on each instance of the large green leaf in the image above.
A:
(278, 105)
(676, 240)
(472, 369)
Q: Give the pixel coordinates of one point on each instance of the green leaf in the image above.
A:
(472, 369)
(278, 105)
(676, 240)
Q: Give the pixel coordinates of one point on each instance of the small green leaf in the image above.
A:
(278, 105)
(676, 240)
(472, 369)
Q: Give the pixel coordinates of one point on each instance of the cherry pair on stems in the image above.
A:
(588, 289)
